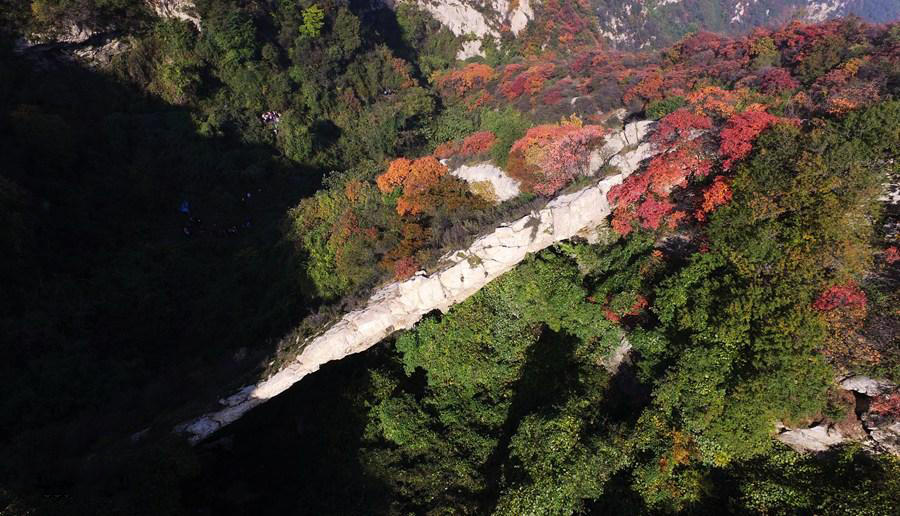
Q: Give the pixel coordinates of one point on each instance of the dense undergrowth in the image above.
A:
(169, 219)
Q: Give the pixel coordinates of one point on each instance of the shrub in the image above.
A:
(657, 109)
(549, 156)
(508, 125)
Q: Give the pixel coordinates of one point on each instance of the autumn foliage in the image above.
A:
(415, 177)
(405, 267)
(891, 255)
(640, 303)
(679, 126)
(840, 296)
(643, 197)
(518, 80)
(718, 102)
(717, 194)
(459, 82)
(446, 150)
(886, 405)
(477, 143)
(844, 309)
(777, 80)
(549, 156)
(739, 132)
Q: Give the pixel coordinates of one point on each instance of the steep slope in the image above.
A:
(631, 24)
(477, 21)
(628, 24)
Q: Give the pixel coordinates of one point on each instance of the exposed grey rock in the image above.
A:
(184, 10)
(818, 438)
(139, 436)
(66, 33)
(884, 433)
(505, 187)
(475, 19)
(618, 356)
(877, 432)
(400, 305)
(867, 386)
(99, 56)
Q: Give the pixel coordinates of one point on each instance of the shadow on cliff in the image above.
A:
(298, 454)
(144, 266)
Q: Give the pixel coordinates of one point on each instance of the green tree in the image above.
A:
(494, 368)
(659, 108)
(313, 21)
(508, 125)
(741, 336)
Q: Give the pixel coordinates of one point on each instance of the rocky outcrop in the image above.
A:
(635, 24)
(476, 19)
(877, 429)
(817, 438)
(502, 186)
(867, 386)
(184, 10)
(75, 43)
(64, 34)
(77, 40)
(400, 305)
(100, 55)
(71, 33)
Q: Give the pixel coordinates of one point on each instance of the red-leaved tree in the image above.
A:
(478, 143)
(549, 156)
(717, 194)
(840, 296)
(739, 132)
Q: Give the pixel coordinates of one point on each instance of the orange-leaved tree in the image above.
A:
(415, 178)
(457, 83)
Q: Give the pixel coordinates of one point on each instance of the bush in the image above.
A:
(508, 125)
(657, 109)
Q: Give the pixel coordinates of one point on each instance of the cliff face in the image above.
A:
(400, 305)
(635, 24)
(80, 40)
(476, 19)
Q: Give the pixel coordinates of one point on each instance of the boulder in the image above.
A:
(505, 187)
(868, 386)
(818, 438)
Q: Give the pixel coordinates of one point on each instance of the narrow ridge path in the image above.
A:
(401, 305)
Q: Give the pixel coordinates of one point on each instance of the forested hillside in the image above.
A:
(190, 191)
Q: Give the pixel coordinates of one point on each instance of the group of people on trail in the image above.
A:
(271, 118)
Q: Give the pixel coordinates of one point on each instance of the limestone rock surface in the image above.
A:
(867, 386)
(477, 20)
(505, 187)
(818, 438)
